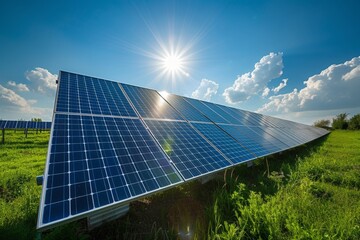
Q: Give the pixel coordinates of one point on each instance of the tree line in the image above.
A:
(341, 121)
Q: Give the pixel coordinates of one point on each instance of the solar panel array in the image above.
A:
(10, 124)
(112, 143)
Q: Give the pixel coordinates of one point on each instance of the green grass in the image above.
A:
(318, 197)
(21, 160)
(311, 192)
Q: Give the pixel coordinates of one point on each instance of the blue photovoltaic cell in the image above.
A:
(288, 132)
(249, 140)
(240, 117)
(47, 125)
(255, 133)
(22, 125)
(32, 125)
(11, 124)
(224, 114)
(98, 161)
(185, 108)
(224, 142)
(265, 139)
(41, 125)
(192, 155)
(213, 116)
(246, 116)
(290, 142)
(44, 125)
(82, 94)
(150, 104)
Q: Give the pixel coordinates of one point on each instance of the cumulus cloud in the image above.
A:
(9, 97)
(206, 90)
(43, 80)
(252, 83)
(265, 92)
(281, 86)
(353, 74)
(335, 87)
(21, 87)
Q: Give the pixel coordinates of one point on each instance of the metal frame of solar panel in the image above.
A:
(112, 143)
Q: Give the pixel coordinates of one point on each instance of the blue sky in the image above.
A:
(292, 59)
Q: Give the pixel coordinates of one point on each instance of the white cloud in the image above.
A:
(10, 98)
(206, 90)
(265, 92)
(353, 74)
(281, 86)
(252, 83)
(21, 87)
(43, 80)
(335, 87)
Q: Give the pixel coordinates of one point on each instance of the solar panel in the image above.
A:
(21, 124)
(150, 104)
(213, 116)
(100, 161)
(32, 125)
(250, 140)
(224, 114)
(11, 124)
(185, 108)
(2, 124)
(112, 143)
(47, 125)
(83, 94)
(261, 136)
(192, 155)
(225, 143)
(290, 142)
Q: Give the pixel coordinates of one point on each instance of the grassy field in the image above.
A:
(311, 192)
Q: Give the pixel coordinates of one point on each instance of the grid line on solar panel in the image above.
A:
(83, 94)
(260, 136)
(32, 125)
(224, 114)
(225, 143)
(290, 134)
(250, 140)
(238, 115)
(99, 161)
(264, 136)
(186, 109)
(280, 136)
(11, 124)
(150, 104)
(192, 155)
(209, 113)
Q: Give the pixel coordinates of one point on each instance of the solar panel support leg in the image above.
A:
(207, 178)
(3, 136)
(249, 163)
(97, 219)
(26, 132)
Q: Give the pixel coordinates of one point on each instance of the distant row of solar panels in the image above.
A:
(11, 124)
(112, 143)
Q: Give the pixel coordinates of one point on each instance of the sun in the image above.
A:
(173, 63)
